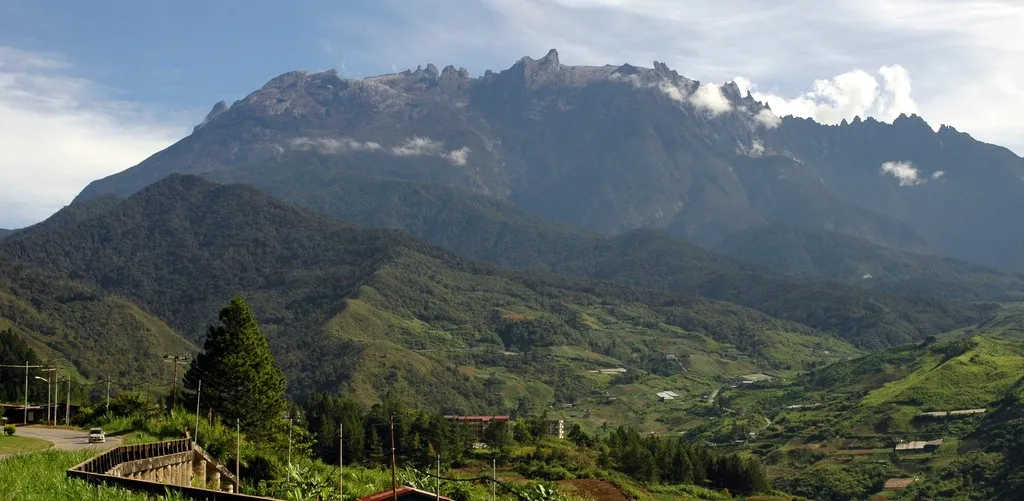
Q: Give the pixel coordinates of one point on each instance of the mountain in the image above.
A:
(615, 148)
(103, 336)
(4, 233)
(482, 228)
(375, 310)
(819, 253)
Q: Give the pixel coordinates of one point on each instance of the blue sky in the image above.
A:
(91, 88)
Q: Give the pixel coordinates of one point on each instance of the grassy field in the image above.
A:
(40, 476)
(18, 445)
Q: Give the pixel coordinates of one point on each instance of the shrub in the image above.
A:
(9, 429)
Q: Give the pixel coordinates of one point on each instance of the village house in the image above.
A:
(405, 493)
(477, 424)
(919, 445)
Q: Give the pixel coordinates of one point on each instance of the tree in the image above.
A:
(497, 435)
(240, 378)
(14, 351)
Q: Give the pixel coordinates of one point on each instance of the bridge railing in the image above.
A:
(97, 471)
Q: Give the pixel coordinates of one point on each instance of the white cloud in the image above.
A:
(937, 174)
(333, 145)
(766, 118)
(416, 146)
(905, 172)
(962, 53)
(845, 96)
(457, 157)
(756, 148)
(709, 97)
(671, 91)
(58, 132)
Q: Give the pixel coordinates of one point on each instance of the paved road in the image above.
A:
(65, 439)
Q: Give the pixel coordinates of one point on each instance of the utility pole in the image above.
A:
(291, 424)
(437, 483)
(26, 366)
(199, 394)
(67, 406)
(47, 398)
(175, 360)
(238, 451)
(494, 480)
(108, 396)
(56, 395)
(25, 418)
(341, 461)
(394, 465)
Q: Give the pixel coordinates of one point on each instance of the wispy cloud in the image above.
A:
(457, 157)
(333, 145)
(410, 147)
(58, 132)
(416, 146)
(905, 173)
(966, 68)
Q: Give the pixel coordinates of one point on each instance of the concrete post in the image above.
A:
(199, 473)
(214, 479)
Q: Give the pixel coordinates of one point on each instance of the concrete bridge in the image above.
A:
(178, 465)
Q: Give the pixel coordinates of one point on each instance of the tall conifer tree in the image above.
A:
(240, 378)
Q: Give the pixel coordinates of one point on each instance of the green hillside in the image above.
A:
(81, 328)
(482, 228)
(375, 310)
(820, 253)
(831, 433)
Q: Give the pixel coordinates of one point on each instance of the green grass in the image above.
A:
(18, 445)
(40, 476)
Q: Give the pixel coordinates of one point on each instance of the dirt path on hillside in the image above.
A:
(598, 490)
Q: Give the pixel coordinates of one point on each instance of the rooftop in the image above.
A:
(895, 484)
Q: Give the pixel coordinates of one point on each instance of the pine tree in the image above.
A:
(240, 378)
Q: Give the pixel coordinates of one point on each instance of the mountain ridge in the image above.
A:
(332, 297)
(818, 253)
(447, 128)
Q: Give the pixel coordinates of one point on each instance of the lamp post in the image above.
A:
(47, 398)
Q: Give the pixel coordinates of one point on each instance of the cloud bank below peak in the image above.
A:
(415, 146)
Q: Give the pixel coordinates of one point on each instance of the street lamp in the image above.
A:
(47, 398)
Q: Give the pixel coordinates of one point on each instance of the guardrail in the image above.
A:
(102, 469)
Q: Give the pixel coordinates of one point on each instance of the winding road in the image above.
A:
(67, 439)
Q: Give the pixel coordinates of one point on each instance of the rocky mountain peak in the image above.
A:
(217, 110)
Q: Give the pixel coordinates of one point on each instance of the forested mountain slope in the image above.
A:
(819, 253)
(376, 309)
(102, 336)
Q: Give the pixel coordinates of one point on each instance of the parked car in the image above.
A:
(97, 435)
